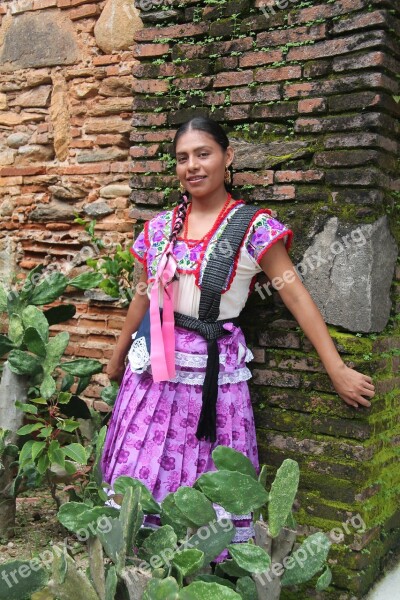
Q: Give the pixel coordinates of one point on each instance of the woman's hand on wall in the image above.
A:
(352, 386)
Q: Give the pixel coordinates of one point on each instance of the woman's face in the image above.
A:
(201, 162)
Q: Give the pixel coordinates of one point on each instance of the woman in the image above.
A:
(154, 433)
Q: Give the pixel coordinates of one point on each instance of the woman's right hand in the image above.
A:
(115, 370)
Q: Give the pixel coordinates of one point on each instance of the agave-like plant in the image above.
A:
(130, 562)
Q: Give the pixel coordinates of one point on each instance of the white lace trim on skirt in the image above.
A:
(139, 361)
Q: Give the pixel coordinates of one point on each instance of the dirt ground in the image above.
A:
(36, 529)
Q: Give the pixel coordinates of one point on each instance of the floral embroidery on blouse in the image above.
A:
(192, 256)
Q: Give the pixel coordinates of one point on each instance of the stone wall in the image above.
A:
(307, 95)
(65, 116)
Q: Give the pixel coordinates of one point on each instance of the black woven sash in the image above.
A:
(215, 276)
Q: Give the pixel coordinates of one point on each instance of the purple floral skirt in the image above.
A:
(151, 433)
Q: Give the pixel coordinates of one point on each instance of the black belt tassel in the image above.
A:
(207, 425)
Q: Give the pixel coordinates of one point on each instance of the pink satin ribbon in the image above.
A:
(162, 352)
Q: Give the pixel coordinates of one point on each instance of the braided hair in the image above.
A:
(180, 216)
(213, 129)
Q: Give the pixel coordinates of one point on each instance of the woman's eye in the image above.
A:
(204, 154)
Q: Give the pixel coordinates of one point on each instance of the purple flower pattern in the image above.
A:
(152, 431)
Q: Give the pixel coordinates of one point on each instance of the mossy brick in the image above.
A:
(276, 378)
(279, 339)
(319, 445)
(330, 488)
(224, 27)
(318, 382)
(258, 23)
(354, 560)
(175, 32)
(282, 421)
(317, 68)
(352, 471)
(233, 7)
(278, 110)
(313, 193)
(180, 116)
(341, 427)
(152, 71)
(329, 462)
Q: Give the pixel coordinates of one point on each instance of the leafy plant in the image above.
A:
(127, 560)
(114, 269)
(54, 449)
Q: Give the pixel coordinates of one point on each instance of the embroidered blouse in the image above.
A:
(192, 257)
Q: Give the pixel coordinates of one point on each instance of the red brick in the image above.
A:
(88, 10)
(214, 98)
(311, 105)
(78, 2)
(113, 70)
(260, 178)
(80, 169)
(252, 59)
(63, 3)
(262, 93)
(121, 167)
(284, 192)
(280, 37)
(341, 85)
(230, 79)
(149, 86)
(197, 83)
(110, 140)
(148, 119)
(237, 113)
(276, 110)
(10, 181)
(291, 176)
(226, 62)
(107, 59)
(324, 11)
(280, 74)
(82, 144)
(21, 171)
(142, 166)
(336, 46)
(365, 61)
(152, 71)
(152, 136)
(141, 50)
(151, 34)
(40, 4)
(363, 21)
(142, 151)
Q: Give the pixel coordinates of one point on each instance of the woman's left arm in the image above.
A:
(351, 385)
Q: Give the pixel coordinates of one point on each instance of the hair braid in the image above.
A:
(180, 216)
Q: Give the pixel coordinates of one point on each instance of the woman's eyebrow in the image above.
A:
(195, 150)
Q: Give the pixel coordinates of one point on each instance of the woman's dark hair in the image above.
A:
(213, 129)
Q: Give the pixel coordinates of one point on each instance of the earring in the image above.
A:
(227, 176)
(181, 188)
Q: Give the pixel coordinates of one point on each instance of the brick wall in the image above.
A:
(306, 95)
(64, 149)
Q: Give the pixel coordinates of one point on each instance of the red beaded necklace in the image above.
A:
(219, 216)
